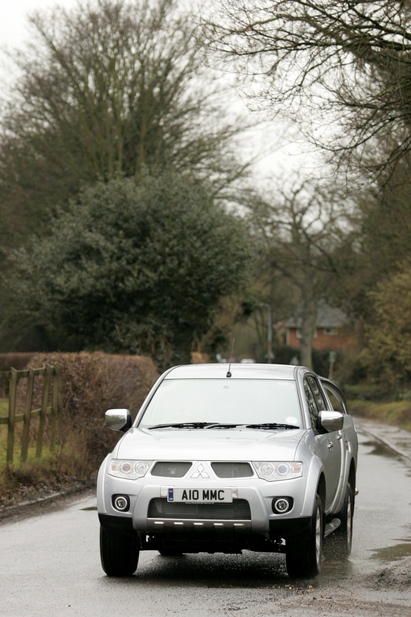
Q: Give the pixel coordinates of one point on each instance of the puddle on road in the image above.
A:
(380, 449)
(393, 553)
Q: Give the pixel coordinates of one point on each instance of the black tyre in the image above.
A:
(341, 539)
(304, 552)
(119, 553)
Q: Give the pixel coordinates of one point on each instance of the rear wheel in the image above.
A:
(304, 552)
(119, 553)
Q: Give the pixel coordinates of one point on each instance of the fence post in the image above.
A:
(12, 415)
(25, 438)
(43, 411)
(57, 404)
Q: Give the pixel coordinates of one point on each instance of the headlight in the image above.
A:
(278, 470)
(131, 470)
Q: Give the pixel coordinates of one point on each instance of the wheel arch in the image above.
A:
(101, 505)
(316, 484)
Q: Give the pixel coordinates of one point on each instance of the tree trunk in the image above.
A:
(308, 323)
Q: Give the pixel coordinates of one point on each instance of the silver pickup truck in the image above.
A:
(222, 458)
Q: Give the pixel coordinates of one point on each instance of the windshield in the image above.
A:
(223, 401)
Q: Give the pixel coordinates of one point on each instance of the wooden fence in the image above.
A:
(38, 386)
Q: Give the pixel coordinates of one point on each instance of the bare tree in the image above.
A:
(303, 228)
(111, 87)
(342, 68)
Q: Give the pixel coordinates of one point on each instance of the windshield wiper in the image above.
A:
(184, 425)
(212, 425)
(271, 425)
(219, 425)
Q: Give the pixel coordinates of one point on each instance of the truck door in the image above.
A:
(327, 446)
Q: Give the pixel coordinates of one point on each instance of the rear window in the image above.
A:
(231, 401)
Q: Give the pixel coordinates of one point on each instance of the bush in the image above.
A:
(14, 360)
(93, 383)
(131, 268)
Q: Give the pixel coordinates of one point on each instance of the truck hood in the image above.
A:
(209, 444)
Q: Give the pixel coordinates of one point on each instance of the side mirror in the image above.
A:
(118, 419)
(330, 421)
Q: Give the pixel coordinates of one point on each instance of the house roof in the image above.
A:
(327, 317)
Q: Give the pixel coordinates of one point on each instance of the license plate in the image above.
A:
(200, 495)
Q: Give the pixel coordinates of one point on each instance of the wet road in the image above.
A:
(50, 564)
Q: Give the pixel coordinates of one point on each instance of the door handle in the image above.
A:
(330, 445)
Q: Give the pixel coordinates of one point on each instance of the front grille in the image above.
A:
(232, 470)
(166, 469)
(238, 510)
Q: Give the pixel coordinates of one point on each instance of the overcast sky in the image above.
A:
(13, 22)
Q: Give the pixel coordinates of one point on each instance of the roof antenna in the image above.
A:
(231, 357)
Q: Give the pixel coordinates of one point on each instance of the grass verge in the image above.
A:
(397, 413)
(37, 479)
(4, 407)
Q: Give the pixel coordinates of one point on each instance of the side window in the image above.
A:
(321, 403)
(312, 404)
(337, 401)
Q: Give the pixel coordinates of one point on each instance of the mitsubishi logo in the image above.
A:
(200, 472)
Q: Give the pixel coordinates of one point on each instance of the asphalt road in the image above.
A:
(49, 564)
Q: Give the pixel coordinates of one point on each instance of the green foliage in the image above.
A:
(387, 355)
(379, 241)
(136, 268)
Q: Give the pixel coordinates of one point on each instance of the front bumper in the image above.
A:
(249, 516)
(278, 529)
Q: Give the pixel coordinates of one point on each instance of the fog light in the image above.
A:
(121, 502)
(282, 504)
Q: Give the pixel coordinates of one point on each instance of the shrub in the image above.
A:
(93, 383)
(14, 360)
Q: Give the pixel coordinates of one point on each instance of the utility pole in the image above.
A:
(269, 334)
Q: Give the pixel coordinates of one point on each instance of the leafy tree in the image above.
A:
(131, 267)
(111, 87)
(387, 354)
(380, 241)
(342, 68)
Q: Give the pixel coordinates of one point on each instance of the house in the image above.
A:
(334, 330)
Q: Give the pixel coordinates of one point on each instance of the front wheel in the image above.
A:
(119, 553)
(342, 537)
(304, 552)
